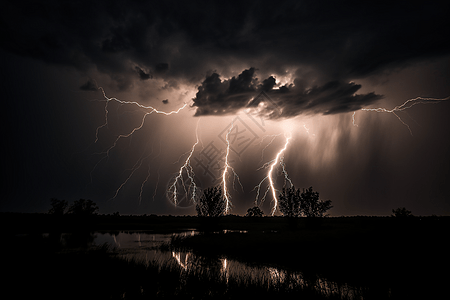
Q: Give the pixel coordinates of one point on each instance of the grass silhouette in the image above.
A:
(41, 268)
(385, 258)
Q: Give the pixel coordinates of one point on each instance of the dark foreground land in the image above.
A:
(401, 257)
(409, 257)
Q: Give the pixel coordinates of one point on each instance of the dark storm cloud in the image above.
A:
(217, 97)
(90, 85)
(161, 67)
(336, 40)
(142, 74)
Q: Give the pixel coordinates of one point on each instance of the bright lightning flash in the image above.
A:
(271, 165)
(406, 105)
(227, 167)
(224, 174)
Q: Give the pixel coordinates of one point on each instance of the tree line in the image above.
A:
(81, 207)
(293, 203)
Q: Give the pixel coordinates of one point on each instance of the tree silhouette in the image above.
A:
(83, 207)
(211, 203)
(289, 201)
(294, 203)
(58, 206)
(254, 212)
(311, 206)
(401, 212)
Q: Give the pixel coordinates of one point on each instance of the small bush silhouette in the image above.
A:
(254, 212)
(83, 207)
(401, 212)
(58, 206)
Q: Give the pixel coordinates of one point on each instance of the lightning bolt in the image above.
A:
(143, 184)
(406, 105)
(271, 165)
(228, 168)
(187, 168)
(116, 141)
(156, 187)
(285, 173)
(224, 174)
(148, 110)
(136, 166)
(148, 176)
(273, 136)
(277, 158)
(353, 119)
(307, 130)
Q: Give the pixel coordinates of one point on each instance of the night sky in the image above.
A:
(250, 72)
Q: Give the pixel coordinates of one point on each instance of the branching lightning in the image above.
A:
(406, 105)
(277, 158)
(226, 195)
(148, 176)
(273, 136)
(271, 165)
(187, 168)
(136, 166)
(226, 169)
(285, 173)
(148, 110)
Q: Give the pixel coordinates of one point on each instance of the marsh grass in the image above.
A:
(368, 259)
(41, 269)
(384, 258)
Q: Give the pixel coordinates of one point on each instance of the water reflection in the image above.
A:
(145, 248)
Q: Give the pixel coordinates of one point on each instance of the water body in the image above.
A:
(146, 248)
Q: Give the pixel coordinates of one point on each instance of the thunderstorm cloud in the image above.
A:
(90, 85)
(219, 97)
(320, 46)
(142, 74)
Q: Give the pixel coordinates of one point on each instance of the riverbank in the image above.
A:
(41, 222)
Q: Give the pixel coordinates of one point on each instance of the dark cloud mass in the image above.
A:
(90, 85)
(161, 67)
(336, 40)
(217, 97)
(142, 74)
